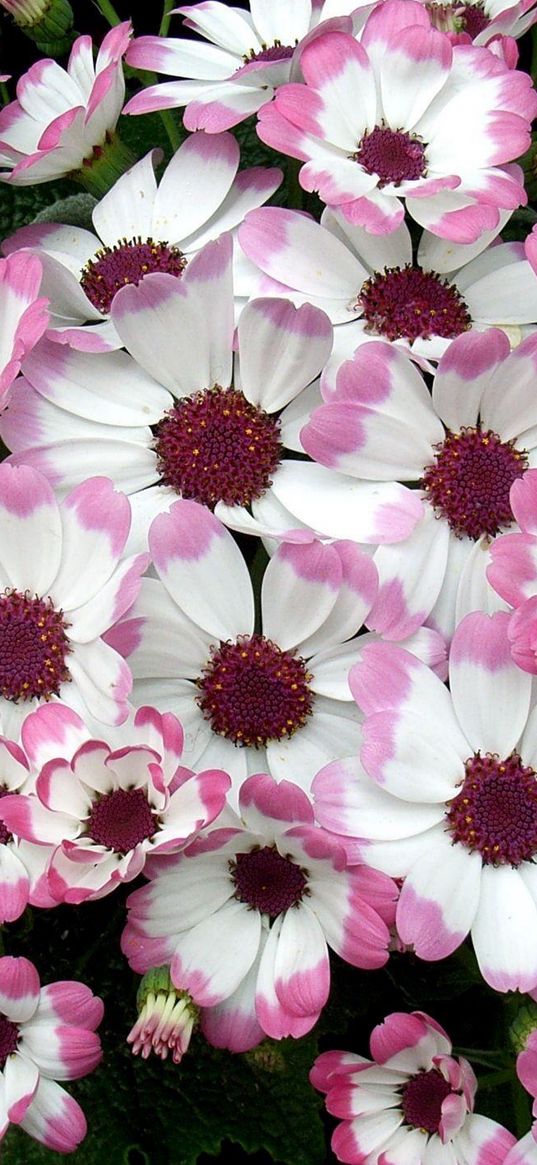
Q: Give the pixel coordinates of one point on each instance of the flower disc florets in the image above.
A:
(268, 881)
(466, 17)
(496, 810)
(421, 1100)
(393, 154)
(214, 446)
(33, 647)
(9, 1038)
(121, 820)
(409, 303)
(127, 262)
(470, 481)
(253, 692)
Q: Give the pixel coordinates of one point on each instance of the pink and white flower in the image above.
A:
(64, 583)
(166, 1018)
(276, 698)
(248, 55)
(448, 798)
(523, 1153)
(412, 1102)
(465, 445)
(245, 917)
(46, 1034)
(64, 119)
(513, 572)
(23, 866)
(401, 118)
(23, 315)
(105, 809)
(371, 284)
(141, 227)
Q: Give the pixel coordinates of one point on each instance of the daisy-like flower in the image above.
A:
(64, 120)
(246, 915)
(23, 315)
(248, 55)
(53, 613)
(276, 698)
(105, 809)
(216, 433)
(371, 284)
(46, 1034)
(412, 1102)
(23, 866)
(139, 228)
(448, 799)
(402, 118)
(166, 1018)
(513, 572)
(465, 446)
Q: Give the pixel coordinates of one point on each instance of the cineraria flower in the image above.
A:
(513, 571)
(411, 1104)
(53, 613)
(23, 866)
(371, 284)
(276, 698)
(166, 1018)
(249, 54)
(105, 809)
(450, 799)
(402, 118)
(465, 446)
(46, 1034)
(63, 121)
(23, 317)
(245, 917)
(219, 439)
(141, 227)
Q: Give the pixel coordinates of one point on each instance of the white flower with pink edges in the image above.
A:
(401, 118)
(105, 809)
(248, 54)
(463, 445)
(275, 698)
(447, 797)
(370, 286)
(513, 572)
(64, 582)
(23, 315)
(141, 227)
(23, 865)
(63, 119)
(246, 915)
(411, 1104)
(46, 1034)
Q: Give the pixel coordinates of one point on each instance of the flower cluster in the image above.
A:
(268, 552)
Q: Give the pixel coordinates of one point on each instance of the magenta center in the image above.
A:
(252, 692)
(266, 881)
(127, 262)
(422, 1100)
(496, 810)
(121, 820)
(394, 155)
(466, 17)
(274, 52)
(33, 647)
(9, 1038)
(408, 303)
(469, 481)
(215, 446)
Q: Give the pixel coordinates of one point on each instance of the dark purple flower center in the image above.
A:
(394, 155)
(33, 647)
(121, 820)
(267, 881)
(465, 17)
(496, 810)
(469, 481)
(215, 446)
(127, 262)
(422, 1100)
(253, 692)
(408, 303)
(9, 1038)
(274, 52)
(5, 834)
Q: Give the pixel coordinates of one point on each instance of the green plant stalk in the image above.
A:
(106, 8)
(166, 17)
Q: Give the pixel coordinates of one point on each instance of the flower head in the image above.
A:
(166, 1018)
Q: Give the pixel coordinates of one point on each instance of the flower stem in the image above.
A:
(106, 8)
(166, 17)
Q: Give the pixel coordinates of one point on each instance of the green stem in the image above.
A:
(106, 8)
(4, 93)
(166, 17)
(108, 163)
(521, 1106)
(166, 116)
(494, 1079)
